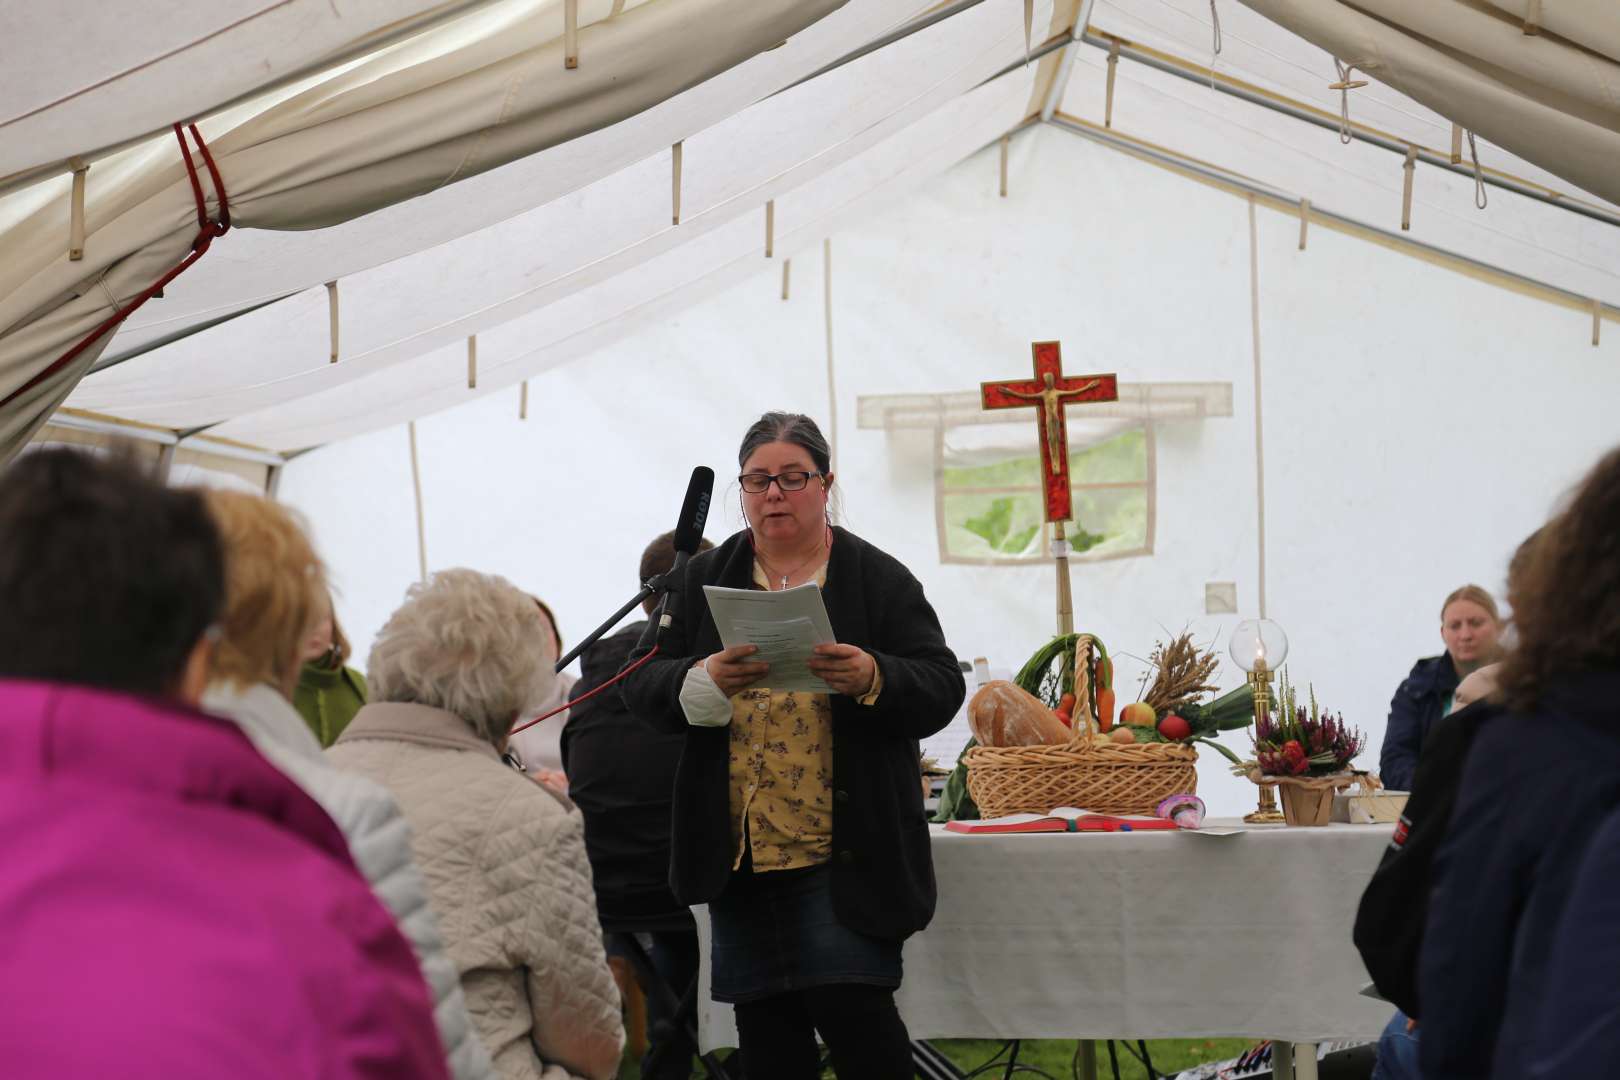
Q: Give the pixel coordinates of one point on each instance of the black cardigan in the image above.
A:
(882, 866)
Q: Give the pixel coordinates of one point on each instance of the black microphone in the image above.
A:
(688, 535)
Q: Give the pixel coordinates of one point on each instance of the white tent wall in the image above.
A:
(1409, 443)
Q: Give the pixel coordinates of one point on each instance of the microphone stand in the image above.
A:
(655, 586)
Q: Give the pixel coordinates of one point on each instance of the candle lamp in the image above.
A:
(1259, 647)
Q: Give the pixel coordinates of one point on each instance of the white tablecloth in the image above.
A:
(1138, 935)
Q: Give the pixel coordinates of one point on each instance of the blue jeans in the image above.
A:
(1397, 1052)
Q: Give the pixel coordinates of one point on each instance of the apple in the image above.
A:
(1122, 735)
(1138, 712)
(1174, 728)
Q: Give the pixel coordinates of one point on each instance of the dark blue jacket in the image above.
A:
(1534, 792)
(1578, 1031)
(1417, 704)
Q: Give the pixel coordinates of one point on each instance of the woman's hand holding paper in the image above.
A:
(848, 669)
(732, 671)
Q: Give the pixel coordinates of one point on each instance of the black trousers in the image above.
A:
(860, 1025)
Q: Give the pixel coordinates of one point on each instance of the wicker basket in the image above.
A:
(1111, 779)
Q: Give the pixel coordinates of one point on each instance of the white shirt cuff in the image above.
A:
(704, 703)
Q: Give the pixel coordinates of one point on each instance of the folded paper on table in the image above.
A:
(784, 626)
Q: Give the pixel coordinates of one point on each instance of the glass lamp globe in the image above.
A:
(1259, 643)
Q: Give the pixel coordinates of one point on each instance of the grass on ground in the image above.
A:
(1056, 1057)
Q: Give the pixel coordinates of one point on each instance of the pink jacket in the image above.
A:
(171, 905)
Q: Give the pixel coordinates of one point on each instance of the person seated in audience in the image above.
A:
(621, 775)
(505, 862)
(275, 591)
(171, 905)
(539, 748)
(1537, 784)
(329, 692)
(1470, 626)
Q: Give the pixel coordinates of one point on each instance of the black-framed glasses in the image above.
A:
(757, 483)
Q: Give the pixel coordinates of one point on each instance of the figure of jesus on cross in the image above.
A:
(1050, 392)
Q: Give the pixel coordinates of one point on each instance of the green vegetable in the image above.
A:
(1232, 710)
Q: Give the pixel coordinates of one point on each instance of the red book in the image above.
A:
(1062, 819)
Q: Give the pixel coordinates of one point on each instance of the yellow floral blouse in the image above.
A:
(782, 771)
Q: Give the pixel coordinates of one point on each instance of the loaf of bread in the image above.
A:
(1004, 714)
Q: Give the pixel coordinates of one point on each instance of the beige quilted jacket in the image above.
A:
(508, 879)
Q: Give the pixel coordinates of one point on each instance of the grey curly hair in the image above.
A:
(472, 644)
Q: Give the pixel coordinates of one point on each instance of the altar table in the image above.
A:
(1136, 935)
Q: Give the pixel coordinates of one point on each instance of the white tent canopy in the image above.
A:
(547, 257)
(449, 103)
(431, 208)
(82, 76)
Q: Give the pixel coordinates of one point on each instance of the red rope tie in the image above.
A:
(206, 232)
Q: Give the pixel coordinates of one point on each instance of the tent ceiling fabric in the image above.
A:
(1273, 59)
(1551, 99)
(1592, 23)
(80, 75)
(1359, 180)
(279, 354)
(570, 245)
(656, 290)
(254, 267)
(451, 103)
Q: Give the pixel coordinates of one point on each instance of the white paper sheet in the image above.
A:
(783, 625)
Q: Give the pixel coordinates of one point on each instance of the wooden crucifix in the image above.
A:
(1050, 393)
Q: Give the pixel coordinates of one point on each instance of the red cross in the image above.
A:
(1050, 392)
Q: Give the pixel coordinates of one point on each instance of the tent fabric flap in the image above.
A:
(410, 119)
(1553, 100)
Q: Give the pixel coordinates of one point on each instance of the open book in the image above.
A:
(1063, 819)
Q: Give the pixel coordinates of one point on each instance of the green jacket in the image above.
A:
(328, 698)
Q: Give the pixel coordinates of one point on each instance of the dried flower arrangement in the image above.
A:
(1300, 741)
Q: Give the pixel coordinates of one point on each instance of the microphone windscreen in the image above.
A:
(695, 510)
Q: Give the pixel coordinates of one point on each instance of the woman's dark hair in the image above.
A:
(795, 428)
(107, 577)
(1564, 588)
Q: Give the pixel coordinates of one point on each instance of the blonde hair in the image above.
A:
(274, 586)
(1474, 595)
(469, 643)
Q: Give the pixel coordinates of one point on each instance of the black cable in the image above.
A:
(1113, 1059)
(1147, 1060)
(1143, 1059)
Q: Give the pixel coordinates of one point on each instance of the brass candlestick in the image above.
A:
(1258, 646)
(1266, 813)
